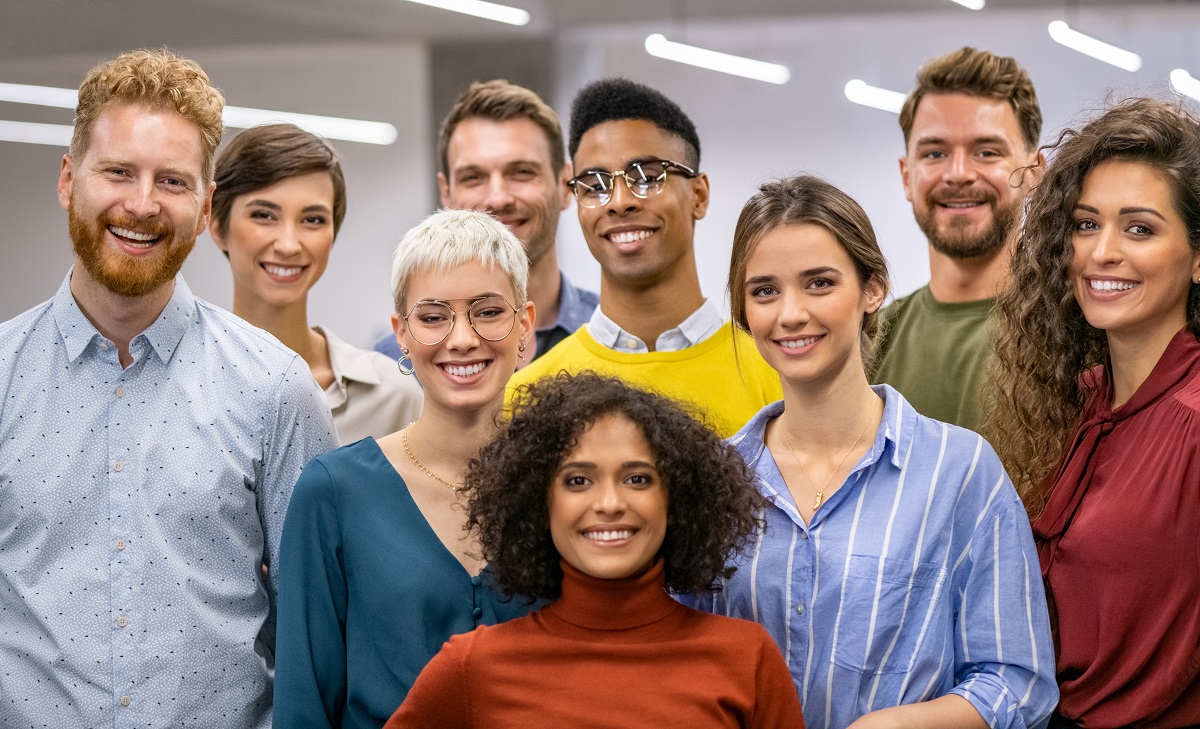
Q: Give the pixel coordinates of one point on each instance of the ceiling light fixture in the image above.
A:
(57, 135)
(331, 127)
(860, 92)
(773, 73)
(1184, 83)
(480, 9)
(1097, 49)
(972, 4)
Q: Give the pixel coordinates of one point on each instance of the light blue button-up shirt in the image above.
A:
(917, 578)
(137, 509)
(699, 326)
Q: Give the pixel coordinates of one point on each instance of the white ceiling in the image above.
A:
(48, 28)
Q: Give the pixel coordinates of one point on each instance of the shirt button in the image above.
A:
(804, 535)
(125, 700)
(119, 544)
(122, 621)
(478, 613)
(118, 466)
(120, 391)
(476, 580)
(799, 609)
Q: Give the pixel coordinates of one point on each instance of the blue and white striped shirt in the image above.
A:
(917, 578)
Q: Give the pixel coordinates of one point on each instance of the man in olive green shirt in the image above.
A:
(971, 131)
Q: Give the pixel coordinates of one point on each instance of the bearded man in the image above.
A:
(971, 131)
(150, 440)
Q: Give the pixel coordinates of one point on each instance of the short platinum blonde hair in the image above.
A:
(450, 238)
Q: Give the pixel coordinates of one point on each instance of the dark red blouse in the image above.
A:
(1119, 544)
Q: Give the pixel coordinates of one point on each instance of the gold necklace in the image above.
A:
(838, 467)
(431, 474)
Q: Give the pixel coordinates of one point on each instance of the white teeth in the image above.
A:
(629, 236)
(282, 271)
(611, 536)
(1111, 285)
(797, 343)
(465, 370)
(132, 235)
(957, 205)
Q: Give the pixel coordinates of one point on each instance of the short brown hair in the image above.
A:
(500, 101)
(809, 200)
(978, 73)
(262, 156)
(160, 79)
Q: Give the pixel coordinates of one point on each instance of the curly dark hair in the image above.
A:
(712, 505)
(616, 99)
(1045, 344)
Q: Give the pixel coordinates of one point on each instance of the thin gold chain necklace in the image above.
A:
(838, 467)
(431, 474)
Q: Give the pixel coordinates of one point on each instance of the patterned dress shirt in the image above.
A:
(140, 515)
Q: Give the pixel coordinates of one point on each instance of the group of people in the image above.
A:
(554, 508)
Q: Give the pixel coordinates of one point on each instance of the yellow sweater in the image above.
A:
(723, 385)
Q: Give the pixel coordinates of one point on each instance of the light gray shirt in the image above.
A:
(368, 395)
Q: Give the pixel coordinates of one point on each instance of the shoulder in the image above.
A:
(899, 307)
(239, 340)
(15, 333)
(571, 354)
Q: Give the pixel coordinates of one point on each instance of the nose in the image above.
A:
(143, 201)
(498, 196)
(609, 500)
(462, 337)
(1106, 246)
(287, 240)
(622, 199)
(961, 168)
(794, 311)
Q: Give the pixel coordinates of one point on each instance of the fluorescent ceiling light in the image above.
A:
(480, 9)
(58, 135)
(1183, 82)
(972, 4)
(332, 127)
(860, 93)
(772, 73)
(1097, 49)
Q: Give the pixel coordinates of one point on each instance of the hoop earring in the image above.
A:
(400, 362)
(520, 352)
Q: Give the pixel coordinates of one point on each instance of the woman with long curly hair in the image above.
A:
(1097, 411)
(601, 497)
(895, 569)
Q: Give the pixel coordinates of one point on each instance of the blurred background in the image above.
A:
(403, 64)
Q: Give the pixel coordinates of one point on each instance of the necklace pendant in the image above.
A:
(817, 503)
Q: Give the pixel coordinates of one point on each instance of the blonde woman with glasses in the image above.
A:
(377, 571)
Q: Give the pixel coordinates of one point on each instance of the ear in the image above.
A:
(444, 189)
(526, 317)
(701, 191)
(206, 209)
(400, 330)
(904, 178)
(1035, 172)
(873, 295)
(214, 232)
(568, 171)
(66, 180)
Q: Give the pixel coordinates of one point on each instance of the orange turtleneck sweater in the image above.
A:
(607, 653)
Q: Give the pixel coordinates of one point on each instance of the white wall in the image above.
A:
(388, 187)
(752, 131)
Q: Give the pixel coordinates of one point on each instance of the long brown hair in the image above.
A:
(1037, 394)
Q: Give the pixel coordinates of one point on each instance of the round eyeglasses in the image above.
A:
(643, 178)
(429, 322)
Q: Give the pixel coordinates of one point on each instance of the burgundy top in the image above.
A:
(607, 653)
(1119, 543)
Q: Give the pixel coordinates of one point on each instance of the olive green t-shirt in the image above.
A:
(935, 354)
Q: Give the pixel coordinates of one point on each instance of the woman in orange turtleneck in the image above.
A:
(601, 497)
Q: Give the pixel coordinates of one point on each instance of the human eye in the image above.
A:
(575, 482)
(260, 214)
(593, 182)
(469, 179)
(764, 291)
(933, 154)
(642, 480)
(432, 315)
(314, 220)
(1140, 230)
(524, 173)
(820, 283)
(1085, 225)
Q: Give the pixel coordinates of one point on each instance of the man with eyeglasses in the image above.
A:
(640, 191)
(501, 151)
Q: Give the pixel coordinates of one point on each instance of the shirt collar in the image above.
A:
(702, 324)
(348, 361)
(163, 335)
(573, 311)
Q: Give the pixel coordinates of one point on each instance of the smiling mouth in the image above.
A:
(797, 343)
(282, 271)
(625, 237)
(961, 205)
(1111, 285)
(134, 238)
(611, 535)
(464, 370)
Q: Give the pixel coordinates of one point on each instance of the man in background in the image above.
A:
(971, 130)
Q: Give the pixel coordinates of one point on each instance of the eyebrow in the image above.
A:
(636, 160)
(626, 464)
(472, 299)
(169, 171)
(1123, 211)
(817, 271)
(270, 205)
(991, 139)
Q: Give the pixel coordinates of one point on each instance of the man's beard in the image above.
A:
(958, 242)
(121, 274)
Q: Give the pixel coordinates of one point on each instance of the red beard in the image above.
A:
(121, 274)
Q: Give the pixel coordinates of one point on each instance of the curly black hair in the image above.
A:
(712, 506)
(616, 99)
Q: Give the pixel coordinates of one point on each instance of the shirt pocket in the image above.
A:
(890, 606)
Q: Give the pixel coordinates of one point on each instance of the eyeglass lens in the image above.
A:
(642, 178)
(492, 318)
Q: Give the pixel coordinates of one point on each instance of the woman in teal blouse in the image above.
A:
(376, 570)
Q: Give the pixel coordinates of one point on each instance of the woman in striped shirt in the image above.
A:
(896, 572)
